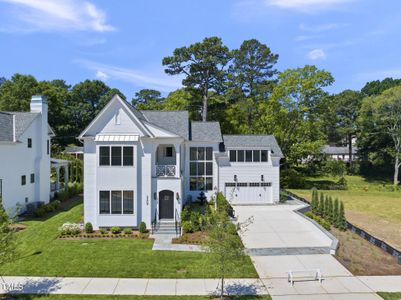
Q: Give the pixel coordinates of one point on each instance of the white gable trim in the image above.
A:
(115, 98)
(168, 133)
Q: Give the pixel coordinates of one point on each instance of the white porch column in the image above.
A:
(178, 159)
(57, 177)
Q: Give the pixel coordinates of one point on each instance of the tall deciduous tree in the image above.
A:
(16, 93)
(148, 99)
(249, 82)
(203, 65)
(381, 115)
(376, 87)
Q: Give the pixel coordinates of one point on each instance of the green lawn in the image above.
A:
(390, 296)
(370, 205)
(42, 254)
(112, 297)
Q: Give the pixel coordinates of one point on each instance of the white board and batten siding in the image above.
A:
(249, 189)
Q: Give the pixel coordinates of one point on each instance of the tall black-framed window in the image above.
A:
(104, 202)
(201, 168)
(104, 156)
(128, 156)
(116, 202)
(29, 143)
(116, 156)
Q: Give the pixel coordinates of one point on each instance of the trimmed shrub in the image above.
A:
(187, 227)
(103, 230)
(202, 198)
(127, 231)
(315, 200)
(185, 214)
(320, 210)
(142, 227)
(115, 230)
(341, 221)
(70, 229)
(88, 227)
(335, 212)
(40, 212)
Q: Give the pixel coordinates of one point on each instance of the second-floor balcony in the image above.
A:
(166, 170)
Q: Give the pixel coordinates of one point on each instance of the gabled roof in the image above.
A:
(246, 141)
(22, 122)
(74, 149)
(206, 131)
(334, 150)
(173, 121)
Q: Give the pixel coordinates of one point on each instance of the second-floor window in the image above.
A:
(116, 156)
(201, 168)
(248, 155)
(23, 180)
(32, 178)
(29, 143)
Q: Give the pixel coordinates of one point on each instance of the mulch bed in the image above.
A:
(108, 236)
(363, 258)
(195, 238)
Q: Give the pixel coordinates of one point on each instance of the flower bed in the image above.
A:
(109, 235)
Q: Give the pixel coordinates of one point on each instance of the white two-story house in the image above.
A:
(25, 156)
(144, 165)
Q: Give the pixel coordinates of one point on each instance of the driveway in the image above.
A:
(279, 240)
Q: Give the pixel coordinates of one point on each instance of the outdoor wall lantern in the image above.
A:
(262, 178)
(235, 177)
(147, 200)
(155, 195)
(177, 195)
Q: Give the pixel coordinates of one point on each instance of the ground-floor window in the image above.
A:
(116, 202)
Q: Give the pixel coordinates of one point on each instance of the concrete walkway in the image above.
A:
(164, 242)
(279, 240)
(128, 286)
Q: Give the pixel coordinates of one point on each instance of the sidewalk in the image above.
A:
(129, 286)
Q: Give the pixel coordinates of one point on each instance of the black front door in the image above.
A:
(166, 205)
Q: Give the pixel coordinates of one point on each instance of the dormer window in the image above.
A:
(29, 143)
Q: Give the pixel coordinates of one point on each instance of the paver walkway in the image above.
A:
(279, 240)
(164, 242)
(128, 286)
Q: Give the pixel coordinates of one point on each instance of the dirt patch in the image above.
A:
(379, 227)
(363, 258)
(18, 226)
(191, 238)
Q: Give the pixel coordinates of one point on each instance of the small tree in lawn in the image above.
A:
(335, 212)
(224, 245)
(7, 237)
(341, 221)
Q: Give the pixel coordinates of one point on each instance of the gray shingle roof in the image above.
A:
(268, 141)
(6, 127)
(206, 131)
(22, 121)
(74, 149)
(174, 121)
(327, 149)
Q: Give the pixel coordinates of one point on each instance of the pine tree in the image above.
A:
(335, 213)
(314, 202)
(342, 223)
(326, 207)
(330, 210)
(321, 205)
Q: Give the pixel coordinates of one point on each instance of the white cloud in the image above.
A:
(317, 54)
(102, 75)
(60, 15)
(321, 27)
(307, 5)
(301, 38)
(146, 79)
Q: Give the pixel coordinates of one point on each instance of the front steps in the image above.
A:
(165, 227)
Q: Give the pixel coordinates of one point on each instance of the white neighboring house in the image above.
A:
(144, 165)
(25, 156)
(340, 153)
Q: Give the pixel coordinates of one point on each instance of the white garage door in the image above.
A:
(249, 192)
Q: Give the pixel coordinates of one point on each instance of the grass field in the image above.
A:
(40, 253)
(370, 205)
(390, 296)
(112, 297)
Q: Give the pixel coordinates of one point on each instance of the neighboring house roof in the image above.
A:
(173, 121)
(334, 150)
(22, 122)
(6, 127)
(206, 131)
(74, 149)
(269, 141)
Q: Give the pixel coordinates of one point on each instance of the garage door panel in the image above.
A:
(249, 193)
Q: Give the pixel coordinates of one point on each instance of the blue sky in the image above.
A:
(123, 42)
